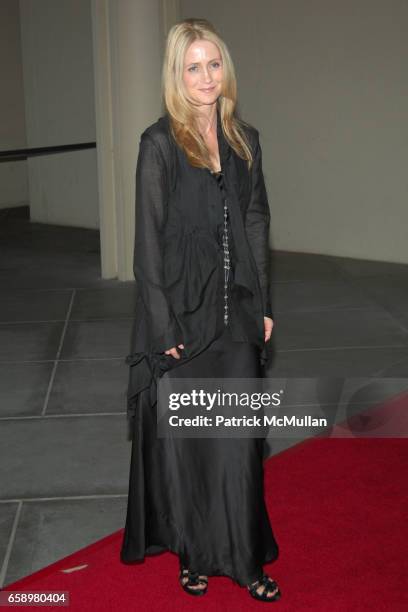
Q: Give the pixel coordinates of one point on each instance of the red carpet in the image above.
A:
(339, 509)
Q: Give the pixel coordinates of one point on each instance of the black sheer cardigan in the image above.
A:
(178, 255)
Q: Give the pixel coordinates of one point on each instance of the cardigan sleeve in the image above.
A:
(150, 214)
(257, 223)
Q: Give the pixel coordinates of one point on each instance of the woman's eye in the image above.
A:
(214, 66)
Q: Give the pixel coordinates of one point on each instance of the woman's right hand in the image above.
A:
(173, 351)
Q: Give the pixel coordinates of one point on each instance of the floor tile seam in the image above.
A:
(59, 349)
(33, 417)
(23, 500)
(7, 555)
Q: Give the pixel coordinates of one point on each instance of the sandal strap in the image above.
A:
(193, 577)
(268, 584)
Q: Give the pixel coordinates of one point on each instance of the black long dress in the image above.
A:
(202, 498)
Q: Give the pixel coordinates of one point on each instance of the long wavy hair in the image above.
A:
(180, 110)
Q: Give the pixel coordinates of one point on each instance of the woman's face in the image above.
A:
(203, 72)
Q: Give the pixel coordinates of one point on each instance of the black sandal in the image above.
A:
(269, 586)
(193, 579)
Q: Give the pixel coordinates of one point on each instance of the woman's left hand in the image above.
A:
(268, 324)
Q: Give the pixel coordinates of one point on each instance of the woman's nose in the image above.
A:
(206, 76)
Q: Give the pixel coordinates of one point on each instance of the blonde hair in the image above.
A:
(180, 110)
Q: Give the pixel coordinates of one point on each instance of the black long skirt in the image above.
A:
(201, 498)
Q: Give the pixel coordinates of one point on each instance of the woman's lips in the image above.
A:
(207, 90)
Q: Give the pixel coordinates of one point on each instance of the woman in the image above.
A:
(201, 263)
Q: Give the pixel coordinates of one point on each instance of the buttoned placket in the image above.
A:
(224, 153)
(225, 245)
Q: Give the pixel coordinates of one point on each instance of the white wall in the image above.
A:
(59, 103)
(326, 83)
(13, 175)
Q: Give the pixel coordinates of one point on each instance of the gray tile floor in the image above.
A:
(64, 333)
